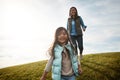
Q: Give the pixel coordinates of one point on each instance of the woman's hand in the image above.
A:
(84, 29)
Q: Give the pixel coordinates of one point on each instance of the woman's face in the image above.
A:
(73, 11)
(62, 37)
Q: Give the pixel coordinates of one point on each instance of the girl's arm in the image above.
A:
(79, 69)
(47, 68)
(44, 75)
(79, 66)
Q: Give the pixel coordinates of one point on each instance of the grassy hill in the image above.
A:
(95, 67)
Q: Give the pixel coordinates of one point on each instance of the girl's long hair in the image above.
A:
(76, 15)
(58, 30)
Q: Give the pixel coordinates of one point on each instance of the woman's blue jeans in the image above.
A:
(78, 42)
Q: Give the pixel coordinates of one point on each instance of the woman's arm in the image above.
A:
(82, 23)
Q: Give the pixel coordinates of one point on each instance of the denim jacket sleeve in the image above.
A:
(82, 23)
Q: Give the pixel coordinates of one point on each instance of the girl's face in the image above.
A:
(62, 37)
(73, 11)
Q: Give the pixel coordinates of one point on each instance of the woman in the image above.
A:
(75, 26)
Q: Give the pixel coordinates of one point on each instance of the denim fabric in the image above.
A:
(73, 30)
(68, 77)
(78, 41)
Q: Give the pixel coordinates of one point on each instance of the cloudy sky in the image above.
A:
(27, 27)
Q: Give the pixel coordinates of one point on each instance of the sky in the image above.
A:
(27, 27)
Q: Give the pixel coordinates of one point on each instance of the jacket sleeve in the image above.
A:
(49, 64)
(82, 23)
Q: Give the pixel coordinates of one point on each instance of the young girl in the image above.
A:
(64, 62)
(75, 26)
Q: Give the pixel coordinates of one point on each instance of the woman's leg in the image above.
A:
(74, 39)
(80, 44)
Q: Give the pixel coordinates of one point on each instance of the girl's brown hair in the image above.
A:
(58, 30)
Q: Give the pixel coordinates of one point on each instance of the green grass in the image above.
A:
(95, 67)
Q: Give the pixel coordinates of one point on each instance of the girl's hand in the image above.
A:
(79, 69)
(42, 78)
